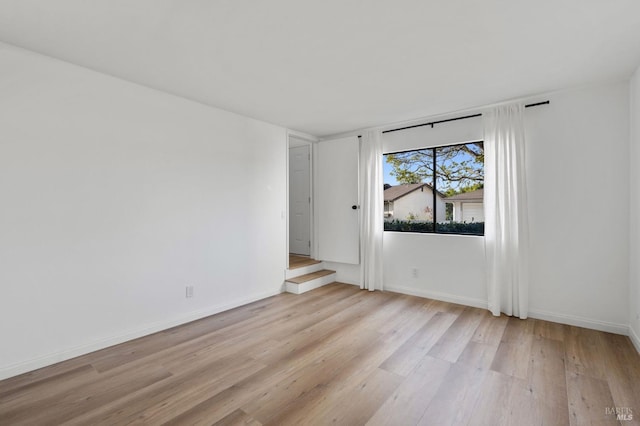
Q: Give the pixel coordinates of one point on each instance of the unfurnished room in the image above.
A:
(307, 213)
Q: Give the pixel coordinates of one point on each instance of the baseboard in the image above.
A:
(53, 358)
(348, 282)
(609, 327)
(634, 339)
(445, 297)
(537, 314)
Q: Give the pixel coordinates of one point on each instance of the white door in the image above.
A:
(337, 202)
(299, 200)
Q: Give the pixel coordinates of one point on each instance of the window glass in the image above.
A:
(435, 190)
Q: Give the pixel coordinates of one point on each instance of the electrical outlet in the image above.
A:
(189, 292)
(414, 272)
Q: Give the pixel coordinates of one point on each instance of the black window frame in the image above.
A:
(434, 190)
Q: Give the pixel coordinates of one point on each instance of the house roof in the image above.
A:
(477, 195)
(394, 192)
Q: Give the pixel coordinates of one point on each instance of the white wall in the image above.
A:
(448, 267)
(634, 258)
(577, 146)
(114, 198)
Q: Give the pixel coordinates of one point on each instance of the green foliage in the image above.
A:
(474, 228)
(451, 192)
(408, 226)
(412, 167)
(456, 166)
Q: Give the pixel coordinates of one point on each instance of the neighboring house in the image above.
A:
(412, 201)
(468, 207)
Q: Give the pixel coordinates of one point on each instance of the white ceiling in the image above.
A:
(328, 66)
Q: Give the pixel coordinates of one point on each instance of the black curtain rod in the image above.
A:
(455, 119)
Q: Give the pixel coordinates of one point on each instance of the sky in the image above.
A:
(442, 185)
(387, 178)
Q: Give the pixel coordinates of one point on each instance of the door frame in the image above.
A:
(302, 139)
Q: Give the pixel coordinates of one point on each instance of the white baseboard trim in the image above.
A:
(348, 282)
(53, 358)
(593, 324)
(635, 339)
(537, 314)
(445, 297)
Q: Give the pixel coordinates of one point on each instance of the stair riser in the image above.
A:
(310, 285)
(292, 273)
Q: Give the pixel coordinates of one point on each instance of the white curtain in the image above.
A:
(506, 219)
(372, 211)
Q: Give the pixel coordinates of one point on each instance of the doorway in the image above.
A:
(299, 197)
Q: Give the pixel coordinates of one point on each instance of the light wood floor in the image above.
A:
(339, 355)
(296, 261)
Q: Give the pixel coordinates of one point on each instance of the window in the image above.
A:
(388, 209)
(435, 190)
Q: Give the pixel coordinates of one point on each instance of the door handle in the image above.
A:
(355, 207)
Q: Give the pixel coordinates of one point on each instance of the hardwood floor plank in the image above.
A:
(334, 383)
(584, 354)
(478, 355)
(491, 329)
(550, 330)
(507, 400)
(60, 372)
(340, 355)
(446, 307)
(455, 398)
(264, 391)
(321, 399)
(512, 356)
(546, 382)
(405, 359)
(547, 369)
(364, 399)
(512, 359)
(622, 366)
(589, 399)
(196, 335)
(323, 332)
(238, 418)
(270, 402)
(60, 407)
(166, 399)
(407, 404)
(452, 343)
(11, 394)
(491, 407)
(415, 314)
(526, 409)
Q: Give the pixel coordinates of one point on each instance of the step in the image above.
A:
(304, 270)
(298, 261)
(304, 283)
